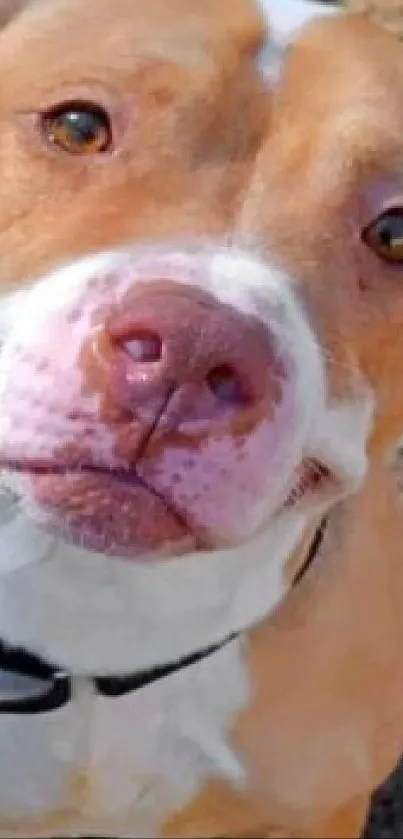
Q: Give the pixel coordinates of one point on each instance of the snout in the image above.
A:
(145, 416)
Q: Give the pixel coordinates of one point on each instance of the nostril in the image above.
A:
(143, 346)
(227, 386)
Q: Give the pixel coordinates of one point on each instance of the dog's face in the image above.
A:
(178, 399)
(153, 154)
(326, 205)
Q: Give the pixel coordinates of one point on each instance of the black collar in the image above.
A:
(54, 685)
(313, 550)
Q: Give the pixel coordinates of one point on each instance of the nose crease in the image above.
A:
(152, 427)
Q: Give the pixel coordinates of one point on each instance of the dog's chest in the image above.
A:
(121, 765)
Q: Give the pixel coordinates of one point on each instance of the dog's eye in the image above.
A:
(78, 128)
(385, 235)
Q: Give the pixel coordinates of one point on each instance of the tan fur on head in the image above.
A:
(387, 13)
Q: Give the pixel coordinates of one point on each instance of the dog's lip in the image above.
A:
(128, 476)
(313, 478)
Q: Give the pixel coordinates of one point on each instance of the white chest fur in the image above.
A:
(121, 765)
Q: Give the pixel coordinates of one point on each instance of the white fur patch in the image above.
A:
(137, 758)
(97, 614)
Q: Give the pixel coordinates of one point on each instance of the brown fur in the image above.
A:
(326, 721)
(326, 724)
(177, 170)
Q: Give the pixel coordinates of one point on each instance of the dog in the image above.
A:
(201, 336)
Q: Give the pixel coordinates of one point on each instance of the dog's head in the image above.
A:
(183, 389)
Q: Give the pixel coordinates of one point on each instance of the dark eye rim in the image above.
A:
(395, 211)
(81, 105)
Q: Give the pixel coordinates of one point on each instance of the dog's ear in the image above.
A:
(9, 9)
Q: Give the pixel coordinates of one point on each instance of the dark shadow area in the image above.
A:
(386, 816)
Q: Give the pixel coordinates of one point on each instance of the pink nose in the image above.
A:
(170, 343)
(161, 418)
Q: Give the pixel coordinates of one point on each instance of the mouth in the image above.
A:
(110, 511)
(312, 481)
(117, 512)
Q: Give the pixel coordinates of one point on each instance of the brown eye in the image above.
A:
(385, 235)
(78, 128)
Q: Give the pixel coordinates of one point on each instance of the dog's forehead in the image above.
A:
(203, 16)
(366, 67)
(54, 44)
(340, 106)
(103, 26)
